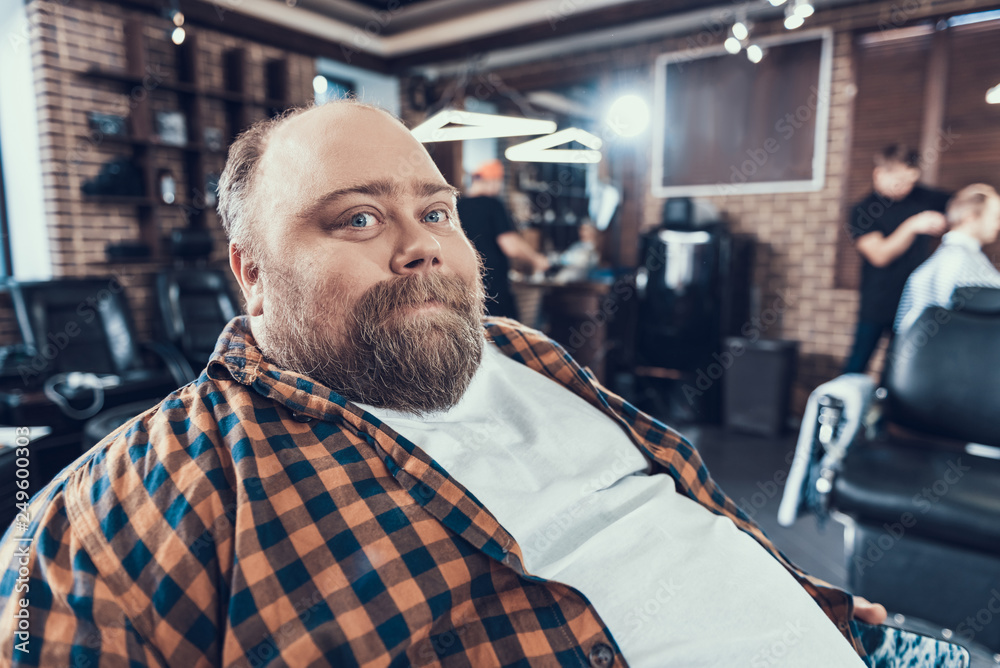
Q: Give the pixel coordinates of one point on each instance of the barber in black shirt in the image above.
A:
(892, 229)
(488, 226)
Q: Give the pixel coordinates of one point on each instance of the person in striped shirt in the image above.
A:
(959, 262)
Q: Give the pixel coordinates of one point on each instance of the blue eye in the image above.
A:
(361, 220)
(436, 216)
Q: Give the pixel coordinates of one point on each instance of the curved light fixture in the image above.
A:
(993, 95)
(543, 149)
(457, 125)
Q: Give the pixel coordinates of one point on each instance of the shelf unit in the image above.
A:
(143, 146)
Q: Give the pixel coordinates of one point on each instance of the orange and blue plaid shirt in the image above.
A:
(256, 518)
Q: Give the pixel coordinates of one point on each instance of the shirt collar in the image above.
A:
(959, 238)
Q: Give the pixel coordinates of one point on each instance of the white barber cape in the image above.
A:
(676, 584)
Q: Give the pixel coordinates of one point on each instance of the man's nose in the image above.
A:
(417, 250)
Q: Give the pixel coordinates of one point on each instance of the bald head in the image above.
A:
(277, 157)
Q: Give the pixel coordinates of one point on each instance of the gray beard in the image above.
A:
(413, 363)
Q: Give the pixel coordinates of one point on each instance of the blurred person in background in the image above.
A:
(489, 227)
(959, 262)
(892, 229)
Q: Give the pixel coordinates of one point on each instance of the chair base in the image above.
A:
(952, 586)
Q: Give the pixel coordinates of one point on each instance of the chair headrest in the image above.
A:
(941, 376)
(974, 299)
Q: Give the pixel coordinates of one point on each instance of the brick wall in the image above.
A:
(67, 38)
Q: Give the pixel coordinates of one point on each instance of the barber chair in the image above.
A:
(87, 356)
(194, 301)
(914, 475)
(84, 362)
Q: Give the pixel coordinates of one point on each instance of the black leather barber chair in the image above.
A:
(919, 488)
(86, 354)
(194, 301)
(85, 363)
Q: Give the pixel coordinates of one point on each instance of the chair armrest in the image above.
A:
(178, 367)
(832, 422)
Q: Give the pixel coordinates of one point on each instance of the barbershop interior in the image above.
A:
(770, 225)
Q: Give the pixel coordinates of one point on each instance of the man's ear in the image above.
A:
(248, 276)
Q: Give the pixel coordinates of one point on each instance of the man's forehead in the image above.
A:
(347, 144)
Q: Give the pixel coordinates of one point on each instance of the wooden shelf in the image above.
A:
(192, 147)
(131, 200)
(184, 88)
(242, 104)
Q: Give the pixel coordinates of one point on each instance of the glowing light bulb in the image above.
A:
(793, 21)
(740, 30)
(733, 45)
(754, 53)
(320, 84)
(628, 116)
(178, 35)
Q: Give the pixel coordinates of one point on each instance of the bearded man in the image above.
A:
(369, 473)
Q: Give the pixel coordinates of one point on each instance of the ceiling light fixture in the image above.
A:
(628, 116)
(754, 53)
(797, 12)
(740, 30)
(804, 9)
(793, 21)
(457, 125)
(733, 45)
(543, 149)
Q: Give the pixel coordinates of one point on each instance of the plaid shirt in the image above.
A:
(256, 518)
